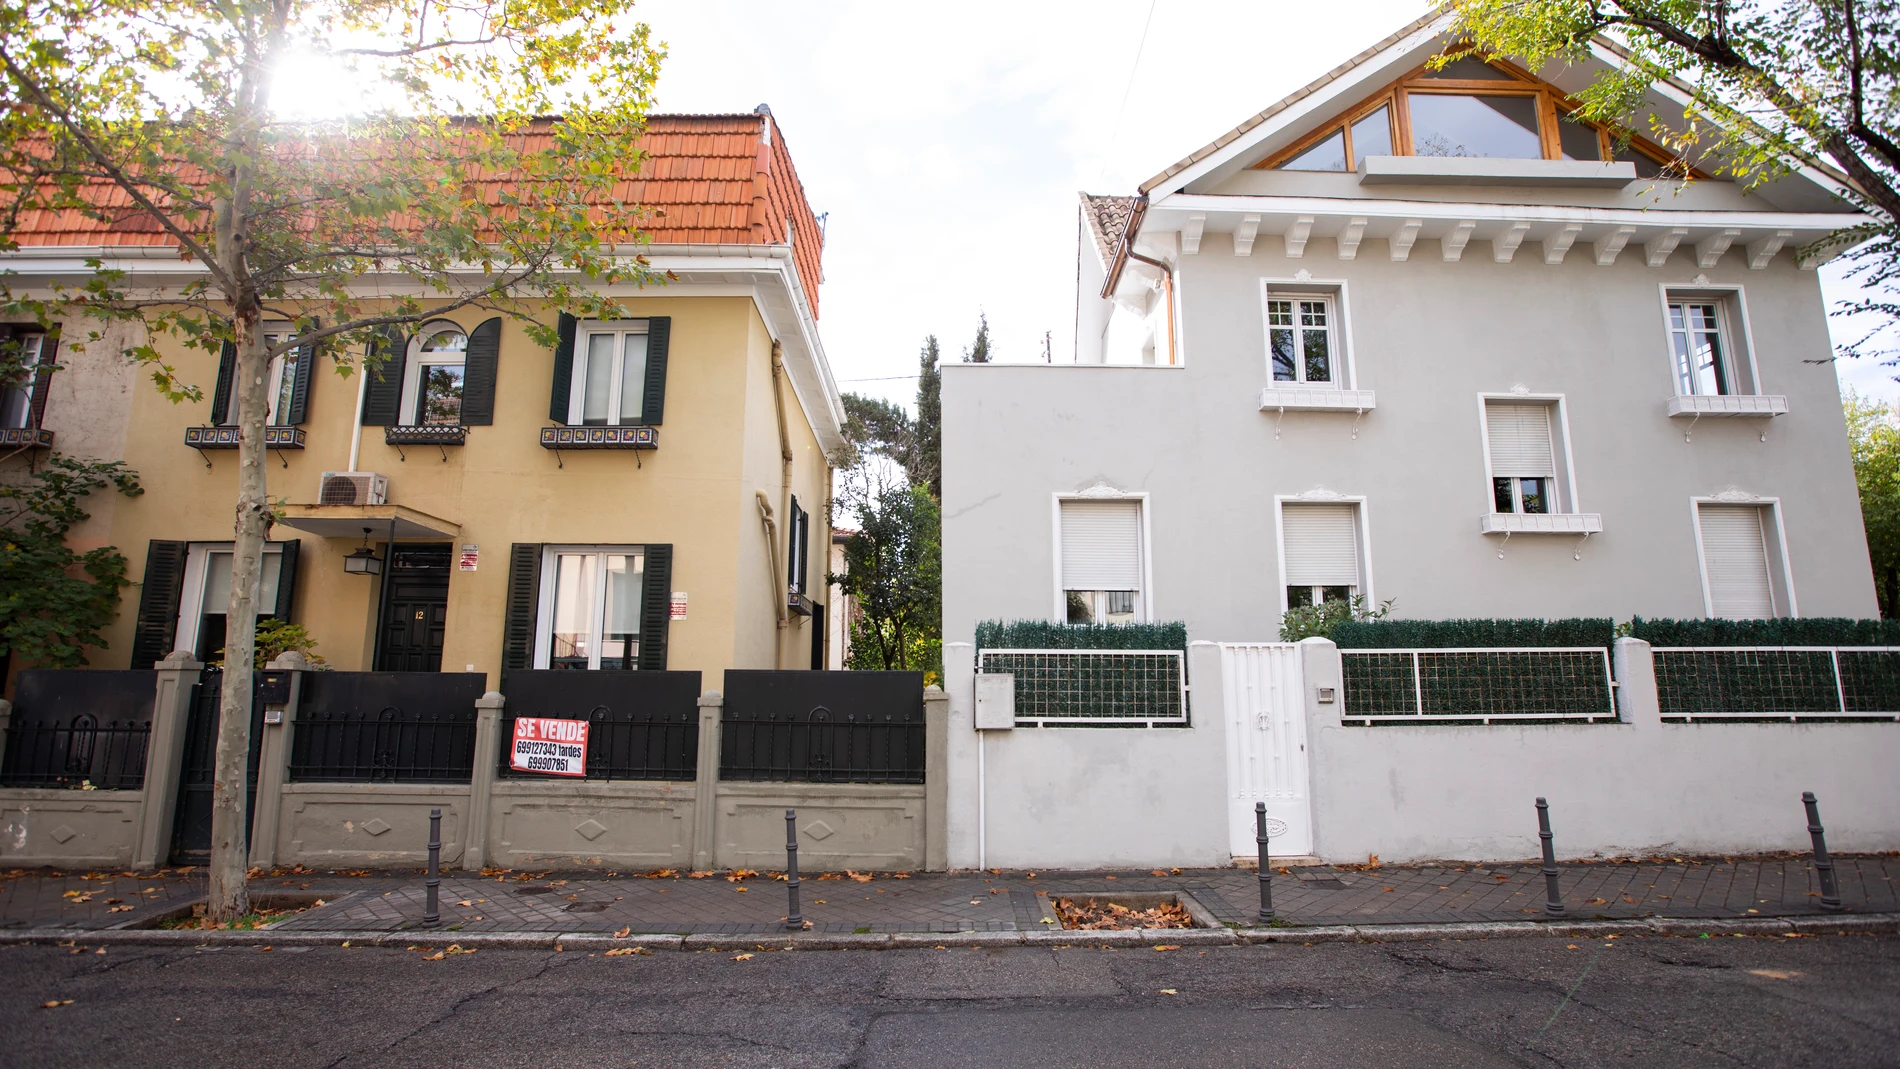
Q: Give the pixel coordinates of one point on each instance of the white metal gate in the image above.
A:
(1266, 746)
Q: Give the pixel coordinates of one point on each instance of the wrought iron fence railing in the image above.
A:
(1778, 682)
(385, 727)
(625, 744)
(1477, 685)
(82, 752)
(822, 727)
(1123, 688)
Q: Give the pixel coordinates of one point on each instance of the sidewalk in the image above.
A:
(836, 903)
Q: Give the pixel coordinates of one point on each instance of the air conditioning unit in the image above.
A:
(353, 488)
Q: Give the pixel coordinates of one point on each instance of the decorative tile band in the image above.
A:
(228, 437)
(600, 437)
(426, 434)
(26, 436)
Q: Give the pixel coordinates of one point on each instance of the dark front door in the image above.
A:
(191, 826)
(415, 614)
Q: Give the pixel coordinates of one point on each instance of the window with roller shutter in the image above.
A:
(1101, 562)
(1739, 582)
(1322, 554)
(1523, 457)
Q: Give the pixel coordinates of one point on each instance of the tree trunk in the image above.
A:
(1890, 605)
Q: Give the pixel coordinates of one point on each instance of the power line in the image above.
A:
(1116, 133)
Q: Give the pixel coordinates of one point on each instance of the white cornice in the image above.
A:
(1827, 222)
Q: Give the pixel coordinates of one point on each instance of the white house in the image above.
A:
(1409, 334)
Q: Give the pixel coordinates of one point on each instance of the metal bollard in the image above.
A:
(793, 919)
(1266, 862)
(431, 916)
(1823, 866)
(1553, 894)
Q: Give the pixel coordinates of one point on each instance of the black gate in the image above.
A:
(823, 727)
(191, 827)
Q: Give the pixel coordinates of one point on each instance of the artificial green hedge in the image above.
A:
(1818, 631)
(1043, 635)
(1476, 634)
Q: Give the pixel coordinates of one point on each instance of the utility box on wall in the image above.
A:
(995, 701)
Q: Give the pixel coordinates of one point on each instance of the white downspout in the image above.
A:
(356, 431)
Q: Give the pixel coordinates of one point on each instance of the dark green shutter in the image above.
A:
(382, 401)
(656, 607)
(157, 621)
(221, 396)
(524, 594)
(478, 376)
(794, 558)
(659, 337)
(303, 364)
(286, 581)
(818, 636)
(42, 379)
(563, 370)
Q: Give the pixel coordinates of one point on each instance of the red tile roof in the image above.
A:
(706, 179)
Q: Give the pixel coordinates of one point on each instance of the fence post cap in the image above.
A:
(965, 645)
(180, 659)
(491, 700)
(288, 661)
(1203, 642)
(933, 691)
(1315, 640)
(711, 698)
(6, 707)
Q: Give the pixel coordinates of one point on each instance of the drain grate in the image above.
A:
(1324, 883)
(586, 907)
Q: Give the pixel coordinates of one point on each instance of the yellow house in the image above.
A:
(639, 497)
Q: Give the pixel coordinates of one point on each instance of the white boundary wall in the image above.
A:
(1639, 786)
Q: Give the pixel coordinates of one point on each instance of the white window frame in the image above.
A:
(1362, 530)
(415, 362)
(1333, 291)
(274, 334)
(191, 591)
(577, 383)
(1144, 601)
(31, 383)
(1780, 587)
(1565, 481)
(544, 600)
(1731, 307)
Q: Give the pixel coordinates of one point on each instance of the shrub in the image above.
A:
(1477, 634)
(1319, 621)
(1819, 631)
(1044, 635)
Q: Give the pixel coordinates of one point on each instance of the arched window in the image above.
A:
(438, 363)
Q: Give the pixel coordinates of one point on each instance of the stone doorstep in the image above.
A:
(1125, 938)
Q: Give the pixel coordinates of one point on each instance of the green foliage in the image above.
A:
(1873, 434)
(53, 602)
(1044, 635)
(1319, 621)
(274, 638)
(927, 468)
(1772, 84)
(979, 350)
(1475, 634)
(1813, 631)
(894, 572)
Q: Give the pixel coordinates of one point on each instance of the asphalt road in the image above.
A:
(1655, 1001)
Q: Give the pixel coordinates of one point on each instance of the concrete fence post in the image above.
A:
(481, 779)
(165, 758)
(961, 802)
(1634, 665)
(936, 778)
(1206, 698)
(706, 780)
(273, 761)
(1323, 674)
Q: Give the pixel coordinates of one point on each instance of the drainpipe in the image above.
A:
(356, 431)
(1167, 283)
(785, 491)
(1125, 251)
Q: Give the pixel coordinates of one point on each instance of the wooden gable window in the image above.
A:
(1470, 108)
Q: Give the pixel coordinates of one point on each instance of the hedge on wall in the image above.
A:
(1819, 631)
(1043, 635)
(1477, 634)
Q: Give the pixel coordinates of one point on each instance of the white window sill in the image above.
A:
(1314, 399)
(1729, 406)
(1549, 523)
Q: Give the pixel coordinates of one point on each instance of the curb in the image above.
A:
(1864, 923)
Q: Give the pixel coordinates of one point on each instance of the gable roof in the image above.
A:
(707, 180)
(1107, 217)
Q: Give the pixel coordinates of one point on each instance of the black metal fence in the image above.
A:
(79, 729)
(385, 727)
(823, 727)
(641, 725)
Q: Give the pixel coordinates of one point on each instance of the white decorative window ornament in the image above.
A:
(1101, 489)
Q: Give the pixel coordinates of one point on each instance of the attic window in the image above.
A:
(1471, 108)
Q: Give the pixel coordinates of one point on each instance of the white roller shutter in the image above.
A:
(1520, 439)
(1322, 545)
(1101, 545)
(1736, 557)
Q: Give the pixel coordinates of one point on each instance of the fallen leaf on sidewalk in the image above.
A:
(831, 875)
(1572, 946)
(906, 875)
(1158, 872)
(663, 874)
(861, 877)
(739, 890)
(1169, 991)
(819, 902)
(1388, 890)
(1774, 974)
(56, 1003)
(120, 909)
(742, 957)
(1167, 946)
(701, 874)
(740, 874)
(624, 932)
(621, 952)
(1596, 902)
(465, 902)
